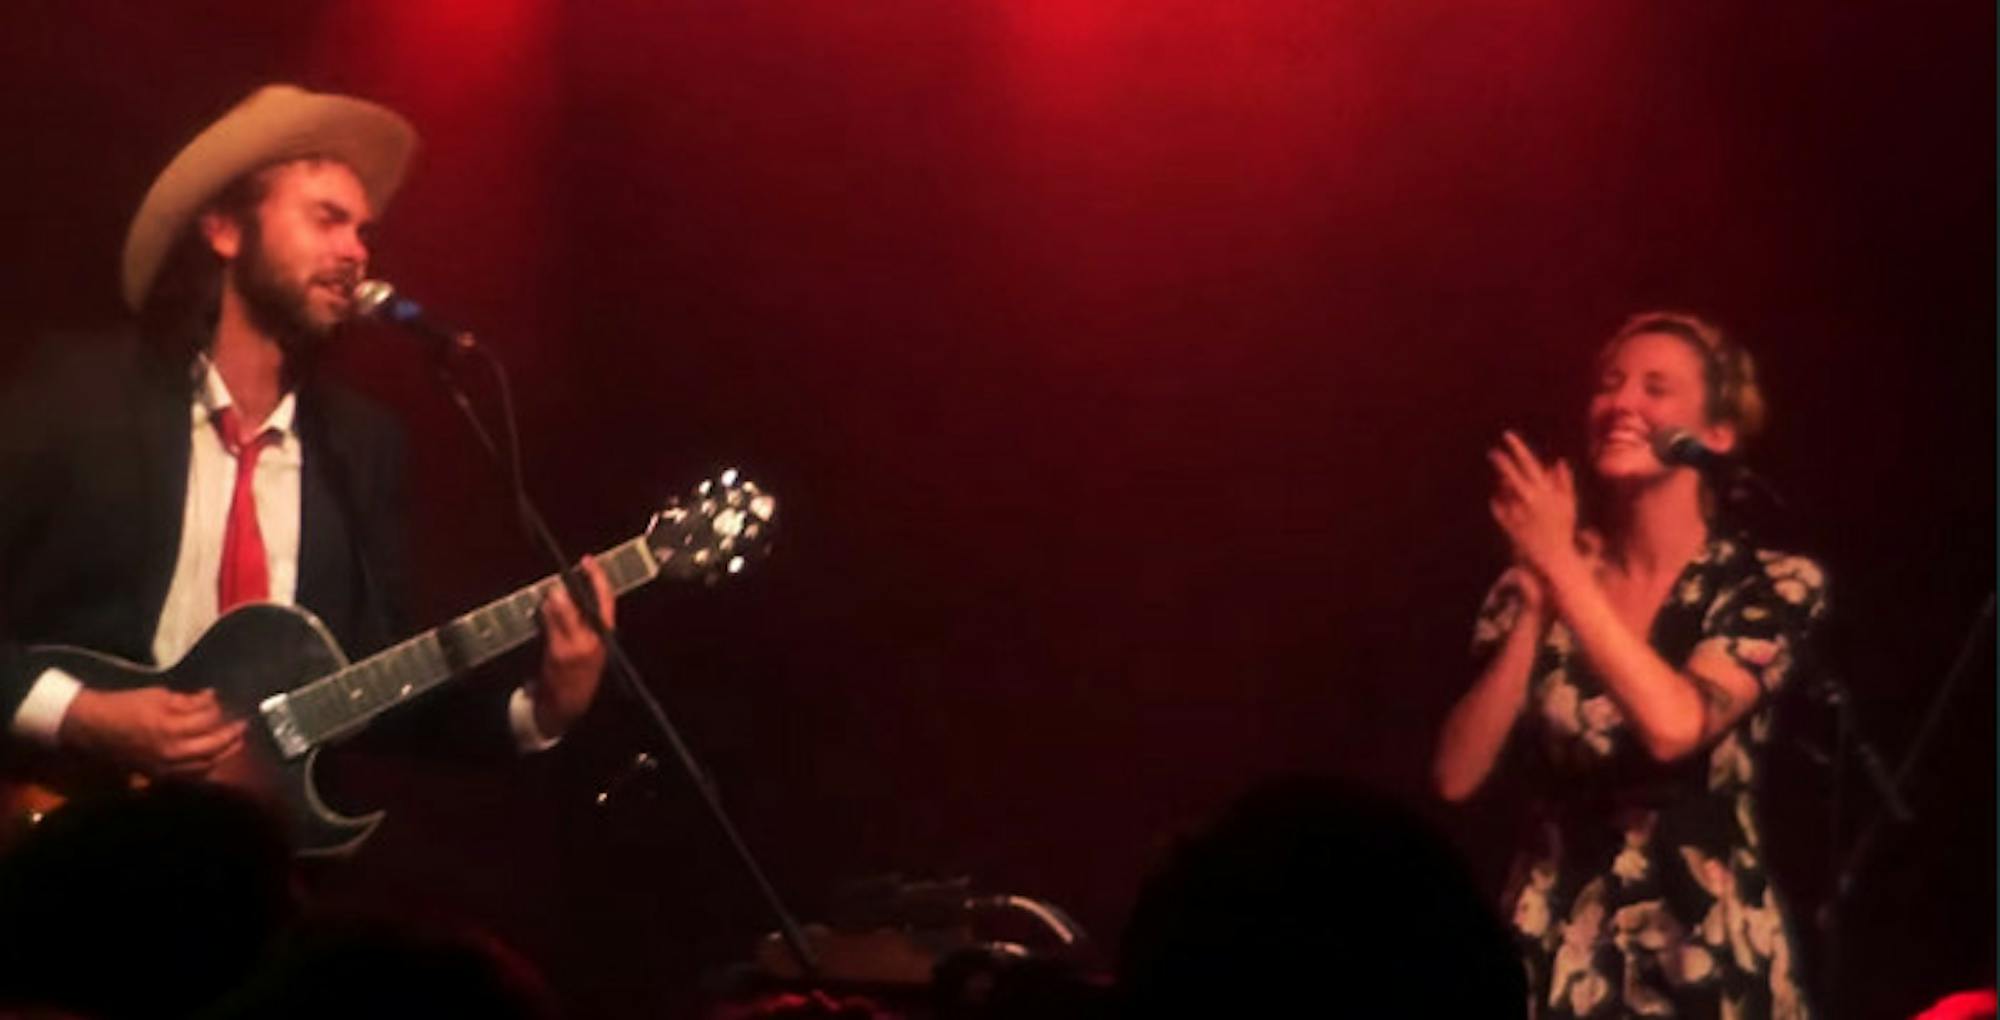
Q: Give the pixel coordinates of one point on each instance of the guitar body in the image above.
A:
(251, 653)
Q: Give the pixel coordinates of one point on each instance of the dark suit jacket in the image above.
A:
(94, 447)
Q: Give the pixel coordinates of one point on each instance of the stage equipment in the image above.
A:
(891, 931)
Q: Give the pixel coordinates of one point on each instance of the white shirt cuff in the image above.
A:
(528, 737)
(41, 713)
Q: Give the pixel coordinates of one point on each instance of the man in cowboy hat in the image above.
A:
(153, 482)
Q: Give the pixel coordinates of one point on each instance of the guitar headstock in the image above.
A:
(713, 531)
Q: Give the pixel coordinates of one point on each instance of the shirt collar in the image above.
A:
(212, 396)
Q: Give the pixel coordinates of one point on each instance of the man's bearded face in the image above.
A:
(277, 303)
(303, 249)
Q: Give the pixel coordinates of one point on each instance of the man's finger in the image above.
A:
(559, 619)
(235, 748)
(204, 744)
(199, 766)
(191, 724)
(607, 603)
(200, 701)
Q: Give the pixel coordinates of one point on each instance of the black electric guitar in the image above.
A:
(279, 667)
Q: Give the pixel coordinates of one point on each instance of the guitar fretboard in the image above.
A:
(345, 700)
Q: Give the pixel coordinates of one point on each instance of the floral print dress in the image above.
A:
(1639, 888)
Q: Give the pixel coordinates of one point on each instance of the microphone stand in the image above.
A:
(1848, 743)
(443, 346)
(1742, 481)
(1846, 867)
(1738, 487)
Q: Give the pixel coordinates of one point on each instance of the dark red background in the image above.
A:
(1125, 368)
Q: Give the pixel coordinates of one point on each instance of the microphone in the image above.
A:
(1679, 446)
(377, 299)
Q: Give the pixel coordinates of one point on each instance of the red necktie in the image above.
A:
(245, 576)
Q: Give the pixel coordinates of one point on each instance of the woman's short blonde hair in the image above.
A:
(1733, 397)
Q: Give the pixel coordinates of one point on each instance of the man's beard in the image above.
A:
(277, 306)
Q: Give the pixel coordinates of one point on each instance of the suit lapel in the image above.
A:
(326, 580)
(162, 402)
(317, 514)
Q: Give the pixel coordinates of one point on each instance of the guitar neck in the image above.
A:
(347, 699)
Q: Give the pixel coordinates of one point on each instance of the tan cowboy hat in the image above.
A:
(277, 123)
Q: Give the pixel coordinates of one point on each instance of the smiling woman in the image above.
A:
(1666, 373)
(1640, 656)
